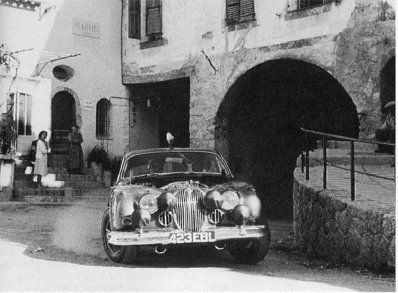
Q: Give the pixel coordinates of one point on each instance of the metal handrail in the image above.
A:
(305, 159)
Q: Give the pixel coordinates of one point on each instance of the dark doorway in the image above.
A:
(63, 116)
(174, 112)
(387, 83)
(260, 120)
(159, 108)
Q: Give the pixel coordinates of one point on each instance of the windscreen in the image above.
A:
(172, 162)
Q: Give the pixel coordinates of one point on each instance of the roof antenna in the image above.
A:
(170, 140)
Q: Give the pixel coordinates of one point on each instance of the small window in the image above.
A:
(302, 4)
(63, 72)
(103, 118)
(153, 20)
(22, 113)
(239, 11)
(135, 19)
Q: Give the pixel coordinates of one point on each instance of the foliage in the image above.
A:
(7, 133)
(100, 156)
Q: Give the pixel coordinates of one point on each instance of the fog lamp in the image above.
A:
(241, 214)
(213, 200)
(140, 218)
(166, 201)
(231, 200)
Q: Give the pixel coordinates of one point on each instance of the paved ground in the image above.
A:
(58, 247)
(370, 191)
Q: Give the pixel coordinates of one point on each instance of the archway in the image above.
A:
(63, 116)
(259, 123)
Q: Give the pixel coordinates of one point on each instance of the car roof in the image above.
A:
(164, 150)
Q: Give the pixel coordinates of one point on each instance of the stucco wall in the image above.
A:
(351, 40)
(97, 70)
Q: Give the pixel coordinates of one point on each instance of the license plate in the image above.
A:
(192, 237)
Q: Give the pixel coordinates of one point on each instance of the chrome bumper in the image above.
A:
(162, 237)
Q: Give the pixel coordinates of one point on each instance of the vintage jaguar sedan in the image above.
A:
(181, 196)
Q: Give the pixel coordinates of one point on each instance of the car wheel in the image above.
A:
(120, 254)
(251, 251)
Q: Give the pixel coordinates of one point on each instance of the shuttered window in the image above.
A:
(153, 19)
(239, 11)
(302, 4)
(135, 19)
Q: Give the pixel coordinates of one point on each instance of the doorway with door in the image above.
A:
(63, 116)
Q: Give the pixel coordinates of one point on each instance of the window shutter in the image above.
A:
(232, 11)
(153, 19)
(135, 19)
(246, 7)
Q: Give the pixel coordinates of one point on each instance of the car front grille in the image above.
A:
(190, 212)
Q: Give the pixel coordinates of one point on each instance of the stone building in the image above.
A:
(242, 76)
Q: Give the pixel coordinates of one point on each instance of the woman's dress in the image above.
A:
(75, 157)
(41, 158)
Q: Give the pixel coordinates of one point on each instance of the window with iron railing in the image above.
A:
(239, 11)
(103, 118)
(134, 19)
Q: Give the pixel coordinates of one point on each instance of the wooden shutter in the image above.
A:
(246, 7)
(153, 19)
(135, 19)
(232, 11)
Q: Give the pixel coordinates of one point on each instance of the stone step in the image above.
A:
(59, 199)
(54, 170)
(57, 194)
(57, 177)
(60, 184)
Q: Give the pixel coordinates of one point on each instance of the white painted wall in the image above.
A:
(97, 68)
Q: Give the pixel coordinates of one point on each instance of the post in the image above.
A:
(324, 162)
(307, 157)
(302, 162)
(352, 172)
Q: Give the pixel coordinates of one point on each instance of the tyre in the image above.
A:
(251, 251)
(119, 254)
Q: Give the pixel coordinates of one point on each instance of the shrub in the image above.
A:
(100, 156)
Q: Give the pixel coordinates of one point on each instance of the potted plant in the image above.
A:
(98, 160)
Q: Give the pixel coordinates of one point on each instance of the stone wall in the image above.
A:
(327, 226)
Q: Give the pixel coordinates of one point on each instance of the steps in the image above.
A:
(58, 185)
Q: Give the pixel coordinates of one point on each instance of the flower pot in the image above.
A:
(97, 170)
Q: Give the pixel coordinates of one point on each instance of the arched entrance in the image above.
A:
(259, 123)
(63, 116)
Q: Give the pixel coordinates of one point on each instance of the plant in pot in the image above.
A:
(99, 161)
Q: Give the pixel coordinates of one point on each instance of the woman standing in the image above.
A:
(75, 159)
(42, 150)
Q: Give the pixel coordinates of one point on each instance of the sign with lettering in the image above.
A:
(86, 28)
